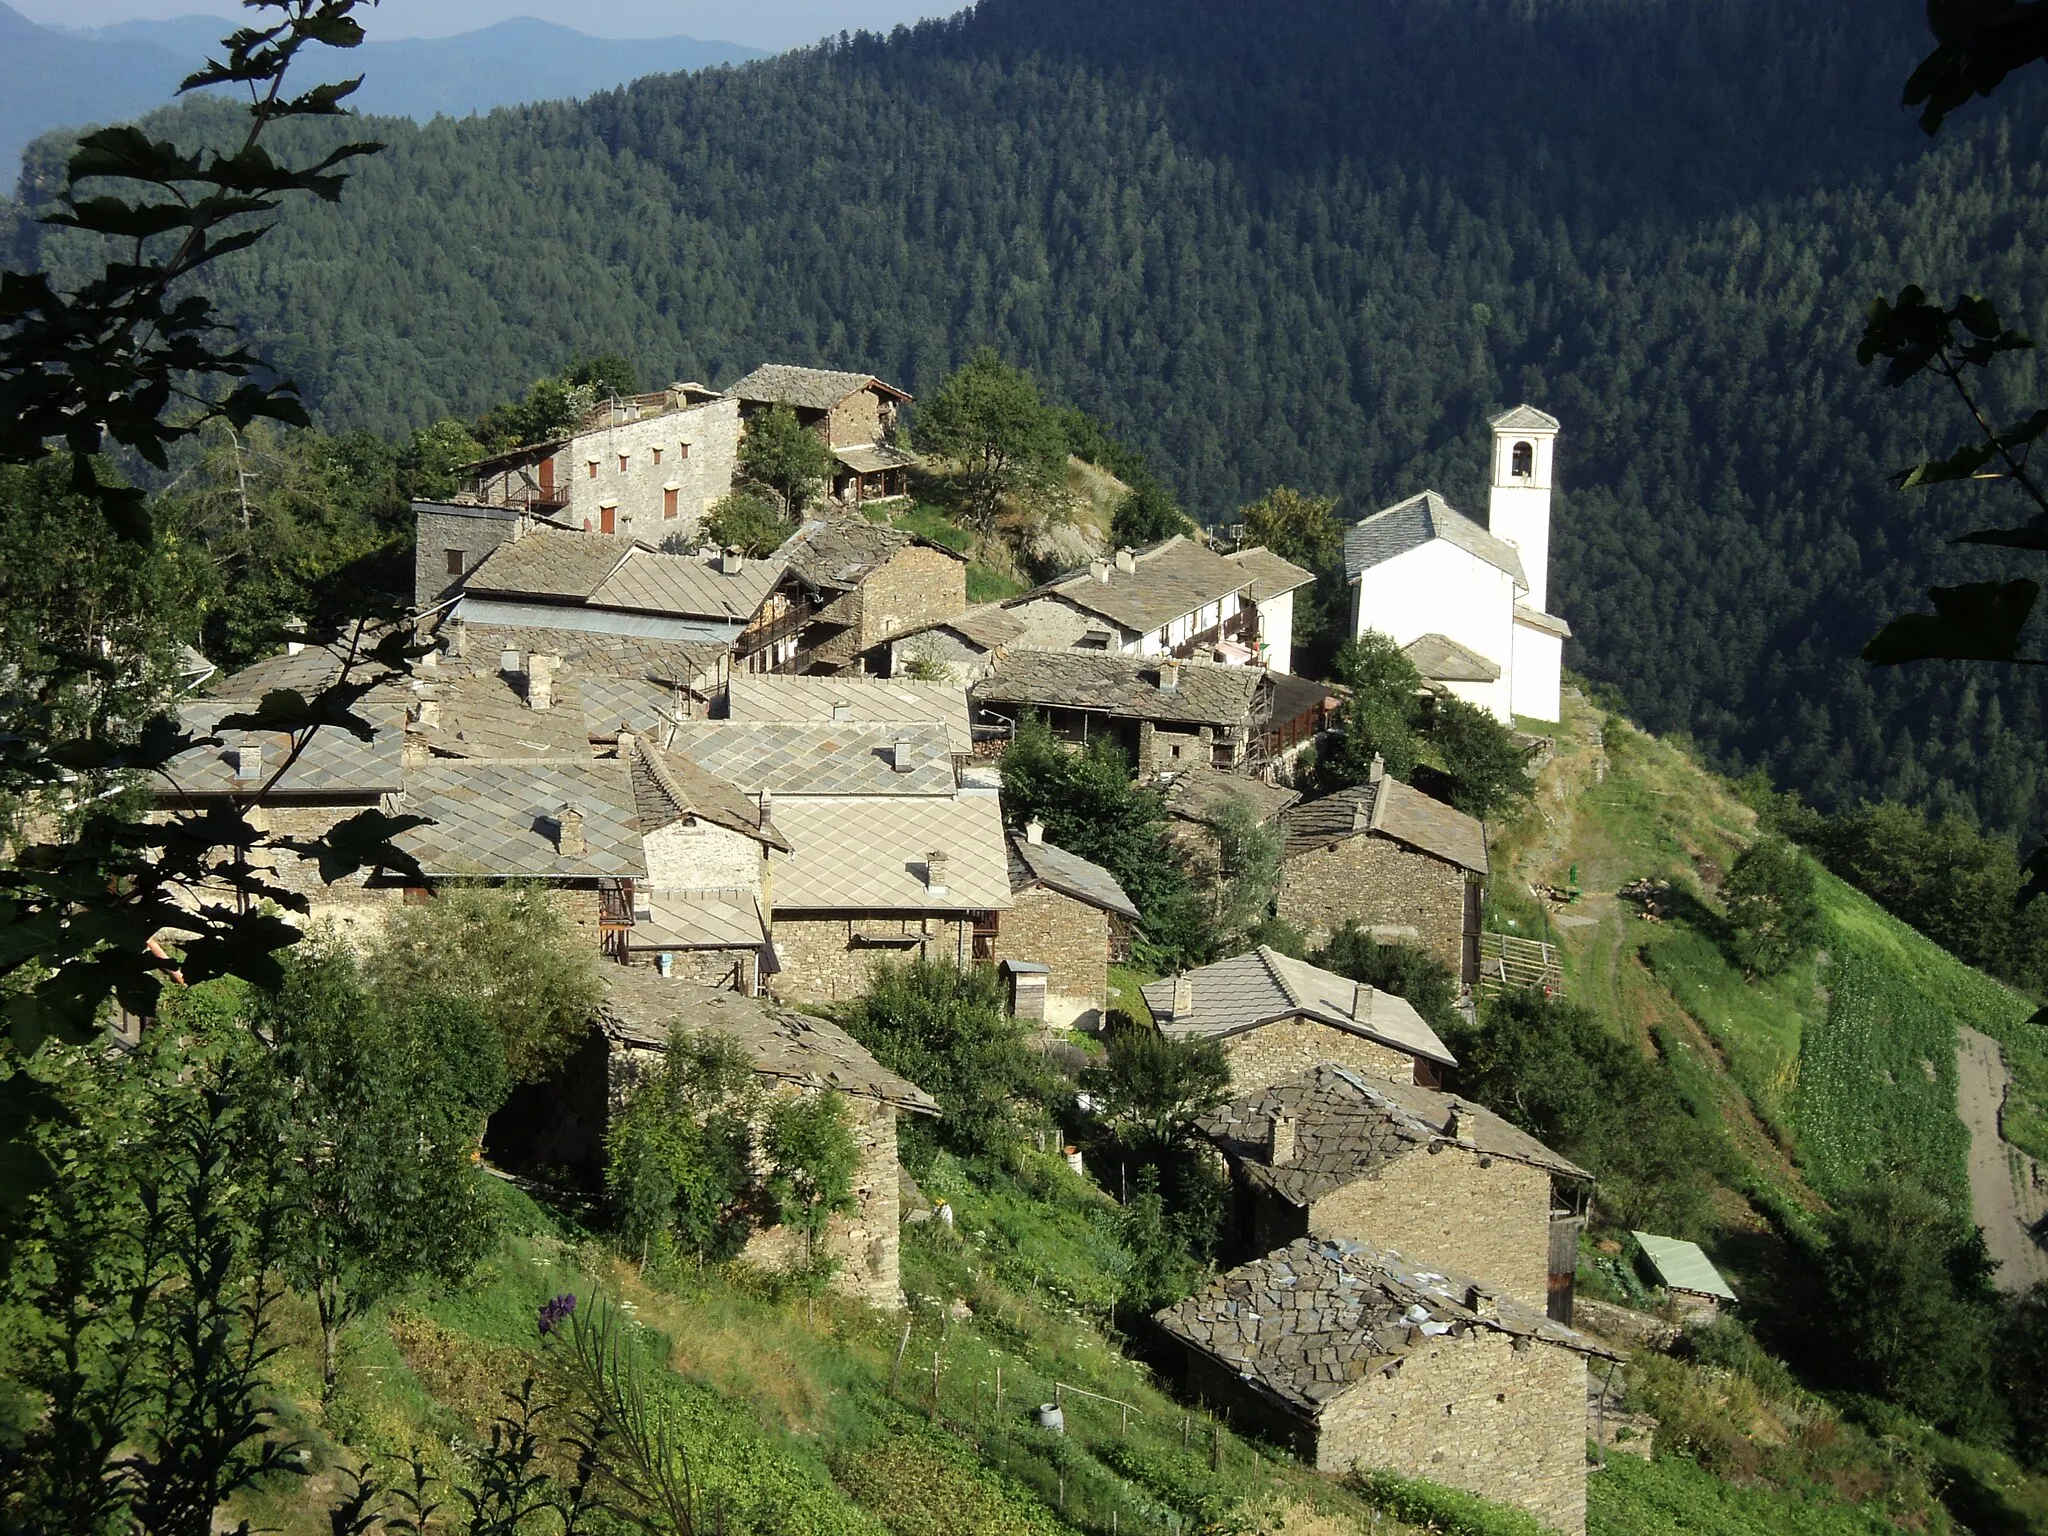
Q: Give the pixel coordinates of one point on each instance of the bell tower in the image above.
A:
(1518, 507)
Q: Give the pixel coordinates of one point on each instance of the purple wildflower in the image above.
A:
(555, 1313)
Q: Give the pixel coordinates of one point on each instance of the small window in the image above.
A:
(657, 455)
(683, 451)
(668, 503)
(454, 561)
(593, 469)
(1524, 460)
(625, 462)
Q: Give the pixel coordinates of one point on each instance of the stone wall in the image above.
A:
(1261, 1057)
(1071, 937)
(729, 970)
(823, 960)
(1377, 883)
(1475, 1412)
(1054, 624)
(699, 448)
(914, 586)
(699, 856)
(856, 421)
(1484, 1217)
(966, 664)
(864, 1242)
(473, 532)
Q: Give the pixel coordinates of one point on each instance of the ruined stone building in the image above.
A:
(855, 415)
(1277, 1016)
(1070, 916)
(1399, 864)
(862, 584)
(1357, 1357)
(1162, 715)
(1197, 798)
(962, 649)
(1330, 1153)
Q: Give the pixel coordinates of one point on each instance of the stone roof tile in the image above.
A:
(1412, 523)
(1207, 693)
(1265, 987)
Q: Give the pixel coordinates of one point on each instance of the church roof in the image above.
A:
(1442, 660)
(1549, 623)
(1412, 523)
(1525, 418)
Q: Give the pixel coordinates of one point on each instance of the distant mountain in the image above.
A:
(58, 77)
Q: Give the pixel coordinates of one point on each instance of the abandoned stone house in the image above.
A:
(1277, 1016)
(1197, 798)
(962, 649)
(863, 583)
(1329, 1153)
(1171, 599)
(1396, 862)
(1071, 917)
(855, 414)
(1357, 1357)
(559, 1124)
(648, 466)
(1162, 715)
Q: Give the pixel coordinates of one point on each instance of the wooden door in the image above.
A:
(608, 519)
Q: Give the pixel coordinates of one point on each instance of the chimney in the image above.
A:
(1183, 996)
(1126, 561)
(1099, 569)
(294, 647)
(935, 873)
(249, 762)
(426, 714)
(569, 841)
(1455, 1123)
(1377, 771)
(1280, 1142)
(733, 561)
(665, 963)
(453, 637)
(540, 680)
(1361, 1002)
(842, 711)
(902, 756)
(1169, 676)
(510, 664)
(1482, 1301)
(767, 807)
(1034, 832)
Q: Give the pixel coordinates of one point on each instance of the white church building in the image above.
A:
(1467, 601)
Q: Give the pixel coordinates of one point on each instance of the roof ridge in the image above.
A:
(1269, 956)
(663, 779)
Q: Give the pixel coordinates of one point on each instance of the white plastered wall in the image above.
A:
(1438, 588)
(1538, 674)
(1276, 632)
(637, 492)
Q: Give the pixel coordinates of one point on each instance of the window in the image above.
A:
(668, 502)
(1524, 460)
(625, 462)
(454, 561)
(657, 455)
(608, 517)
(593, 469)
(683, 451)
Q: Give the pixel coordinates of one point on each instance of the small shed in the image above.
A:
(1027, 987)
(1685, 1271)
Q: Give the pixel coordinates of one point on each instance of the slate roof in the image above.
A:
(773, 696)
(1305, 1324)
(669, 786)
(645, 1009)
(1412, 523)
(1200, 794)
(483, 717)
(601, 570)
(838, 554)
(1549, 623)
(987, 625)
(810, 759)
(499, 820)
(621, 680)
(1345, 1127)
(814, 389)
(871, 458)
(1069, 874)
(1265, 986)
(313, 668)
(1270, 574)
(1209, 693)
(1391, 809)
(1443, 660)
(334, 765)
(1525, 418)
(1682, 1266)
(1171, 579)
(867, 852)
(697, 920)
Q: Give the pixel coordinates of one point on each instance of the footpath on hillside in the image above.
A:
(2008, 1189)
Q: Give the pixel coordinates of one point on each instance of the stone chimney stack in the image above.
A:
(426, 714)
(1481, 1300)
(1361, 1002)
(1099, 569)
(249, 763)
(1183, 996)
(1169, 676)
(842, 711)
(767, 807)
(1280, 1141)
(1034, 832)
(733, 561)
(1126, 561)
(935, 864)
(540, 680)
(510, 664)
(1456, 1124)
(1377, 771)
(569, 841)
(902, 756)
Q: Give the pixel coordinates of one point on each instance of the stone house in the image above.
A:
(855, 414)
(1196, 797)
(863, 583)
(1329, 1153)
(1362, 1358)
(1070, 916)
(648, 466)
(1394, 861)
(1163, 715)
(962, 649)
(875, 878)
(560, 1124)
(1274, 582)
(1277, 1016)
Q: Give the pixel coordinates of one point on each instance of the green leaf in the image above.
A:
(1978, 622)
(2033, 535)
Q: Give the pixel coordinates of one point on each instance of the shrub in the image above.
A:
(1773, 908)
(1406, 970)
(677, 1153)
(746, 522)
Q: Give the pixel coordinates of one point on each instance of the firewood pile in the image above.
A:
(1650, 897)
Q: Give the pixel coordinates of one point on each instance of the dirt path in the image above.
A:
(2008, 1189)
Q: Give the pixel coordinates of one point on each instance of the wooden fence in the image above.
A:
(1508, 964)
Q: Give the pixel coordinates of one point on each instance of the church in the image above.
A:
(1467, 601)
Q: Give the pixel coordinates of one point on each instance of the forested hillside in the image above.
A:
(1314, 248)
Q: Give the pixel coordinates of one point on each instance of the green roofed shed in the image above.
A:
(1682, 1266)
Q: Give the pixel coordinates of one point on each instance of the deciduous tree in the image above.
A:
(782, 454)
(1773, 907)
(987, 419)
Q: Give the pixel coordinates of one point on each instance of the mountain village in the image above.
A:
(750, 782)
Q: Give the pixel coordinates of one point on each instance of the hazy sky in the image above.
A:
(759, 23)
